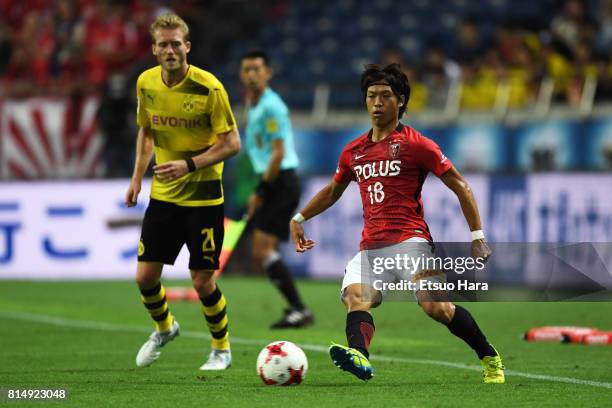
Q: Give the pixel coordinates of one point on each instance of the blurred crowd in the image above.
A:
(60, 47)
(76, 48)
(571, 50)
(64, 47)
(68, 47)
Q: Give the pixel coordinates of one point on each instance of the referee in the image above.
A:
(269, 143)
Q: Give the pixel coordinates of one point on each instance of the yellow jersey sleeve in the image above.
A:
(221, 116)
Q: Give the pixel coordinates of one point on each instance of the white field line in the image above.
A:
(93, 325)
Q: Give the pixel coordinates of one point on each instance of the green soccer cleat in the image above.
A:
(351, 360)
(492, 370)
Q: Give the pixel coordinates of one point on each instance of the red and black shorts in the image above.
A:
(167, 226)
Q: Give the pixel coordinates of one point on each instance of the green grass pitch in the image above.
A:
(83, 336)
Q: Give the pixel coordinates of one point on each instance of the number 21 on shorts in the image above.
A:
(208, 240)
(377, 195)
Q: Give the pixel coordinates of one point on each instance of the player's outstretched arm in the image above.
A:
(144, 153)
(319, 203)
(228, 144)
(457, 184)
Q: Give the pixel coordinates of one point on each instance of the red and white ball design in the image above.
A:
(282, 363)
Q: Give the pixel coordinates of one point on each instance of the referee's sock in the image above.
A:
(154, 300)
(464, 326)
(283, 280)
(359, 331)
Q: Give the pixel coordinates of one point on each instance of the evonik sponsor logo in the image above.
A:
(173, 121)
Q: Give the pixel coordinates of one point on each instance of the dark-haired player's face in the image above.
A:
(383, 105)
(171, 49)
(255, 74)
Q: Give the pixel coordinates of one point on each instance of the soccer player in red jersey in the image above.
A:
(390, 164)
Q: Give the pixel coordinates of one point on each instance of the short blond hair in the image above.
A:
(169, 21)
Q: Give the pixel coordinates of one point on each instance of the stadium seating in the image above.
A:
(329, 42)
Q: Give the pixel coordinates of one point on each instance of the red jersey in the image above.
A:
(391, 174)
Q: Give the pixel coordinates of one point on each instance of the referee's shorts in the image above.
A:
(279, 204)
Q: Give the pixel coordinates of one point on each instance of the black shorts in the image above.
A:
(279, 204)
(167, 226)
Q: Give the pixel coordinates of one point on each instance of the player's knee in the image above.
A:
(260, 251)
(440, 311)
(268, 258)
(426, 307)
(354, 301)
(147, 277)
(146, 282)
(203, 282)
(258, 255)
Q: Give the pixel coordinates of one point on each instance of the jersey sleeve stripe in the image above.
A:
(192, 87)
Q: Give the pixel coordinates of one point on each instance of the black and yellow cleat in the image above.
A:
(493, 370)
(351, 360)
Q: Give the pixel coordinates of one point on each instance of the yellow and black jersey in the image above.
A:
(185, 120)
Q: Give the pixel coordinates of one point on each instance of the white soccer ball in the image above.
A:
(282, 363)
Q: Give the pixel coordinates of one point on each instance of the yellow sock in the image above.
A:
(154, 300)
(214, 309)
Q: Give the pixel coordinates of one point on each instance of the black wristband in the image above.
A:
(190, 164)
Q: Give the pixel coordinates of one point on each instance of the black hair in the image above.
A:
(391, 75)
(256, 54)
